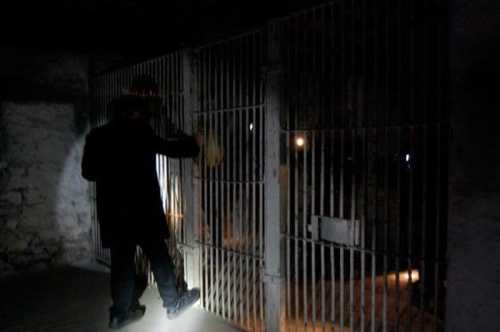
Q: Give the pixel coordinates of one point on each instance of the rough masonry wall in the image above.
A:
(44, 206)
(473, 276)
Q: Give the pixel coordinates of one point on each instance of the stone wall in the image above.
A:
(44, 206)
(473, 276)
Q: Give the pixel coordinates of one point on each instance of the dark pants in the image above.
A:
(124, 290)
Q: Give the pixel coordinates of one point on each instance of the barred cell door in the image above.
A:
(366, 135)
(230, 187)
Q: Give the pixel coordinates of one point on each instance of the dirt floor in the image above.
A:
(76, 300)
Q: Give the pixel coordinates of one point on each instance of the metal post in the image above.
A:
(273, 240)
(191, 189)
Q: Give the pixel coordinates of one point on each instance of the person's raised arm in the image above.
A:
(176, 147)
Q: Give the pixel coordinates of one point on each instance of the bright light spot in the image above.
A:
(407, 157)
(405, 276)
(300, 142)
(250, 126)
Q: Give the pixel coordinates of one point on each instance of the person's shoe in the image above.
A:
(135, 313)
(183, 303)
(137, 309)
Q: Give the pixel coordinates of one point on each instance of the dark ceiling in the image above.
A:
(146, 26)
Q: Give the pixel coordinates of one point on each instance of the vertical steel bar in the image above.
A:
(386, 163)
(234, 172)
(439, 166)
(206, 178)
(353, 220)
(235, 177)
(412, 100)
(255, 63)
(225, 177)
(296, 179)
(322, 213)
(333, 316)
(398, 230)
(305, 170)
(341, 216)
(245, 201)
(210, 177)
(422, 270)
(263, 53)
(313, 245)
(240, 175)
(333, 153)
(373, 241)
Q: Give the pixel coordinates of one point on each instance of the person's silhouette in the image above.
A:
(120, 157)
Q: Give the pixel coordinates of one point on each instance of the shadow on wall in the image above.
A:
(44, 205)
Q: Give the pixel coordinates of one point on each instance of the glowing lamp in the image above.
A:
(300, 142)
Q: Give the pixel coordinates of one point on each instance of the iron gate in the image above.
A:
(363, 159)
(364, 128)
(230, 113)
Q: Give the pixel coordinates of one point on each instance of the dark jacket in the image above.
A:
(120, 158)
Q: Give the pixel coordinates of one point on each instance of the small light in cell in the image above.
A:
(250, 127)
(412, 275)
(407, 157)
(300, 142)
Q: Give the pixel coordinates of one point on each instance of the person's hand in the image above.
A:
(199, 139)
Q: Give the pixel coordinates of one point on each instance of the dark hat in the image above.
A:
(127, 104)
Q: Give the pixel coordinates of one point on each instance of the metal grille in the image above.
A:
(365, 135)
(167, 71)
(230, 113)
(363, 166)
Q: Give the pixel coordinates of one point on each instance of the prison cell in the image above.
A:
(362, 144)
(365, 132)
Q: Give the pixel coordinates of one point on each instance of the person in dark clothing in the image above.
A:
(120, 157)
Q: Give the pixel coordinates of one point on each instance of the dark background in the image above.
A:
(139, 28)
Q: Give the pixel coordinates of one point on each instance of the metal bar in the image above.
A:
(353, 219)
(364, 215)
(333, 317)
(313, 245)
(304, 228)
(253, 177)
(217, 221)
(398, 230)
(373, 254)
(439, 166)
(234, 170)
(225, 186)
(341, 216)
(293, 65)
(207, 225)
(211, 174)
(342, 304)
(246, 194)
(288, 231)
(322, 213)
(333, 153)
(386, 221)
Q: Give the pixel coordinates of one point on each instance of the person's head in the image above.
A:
(132, 108)
(140, 102)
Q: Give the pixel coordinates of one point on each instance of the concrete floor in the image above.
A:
(75, 299)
